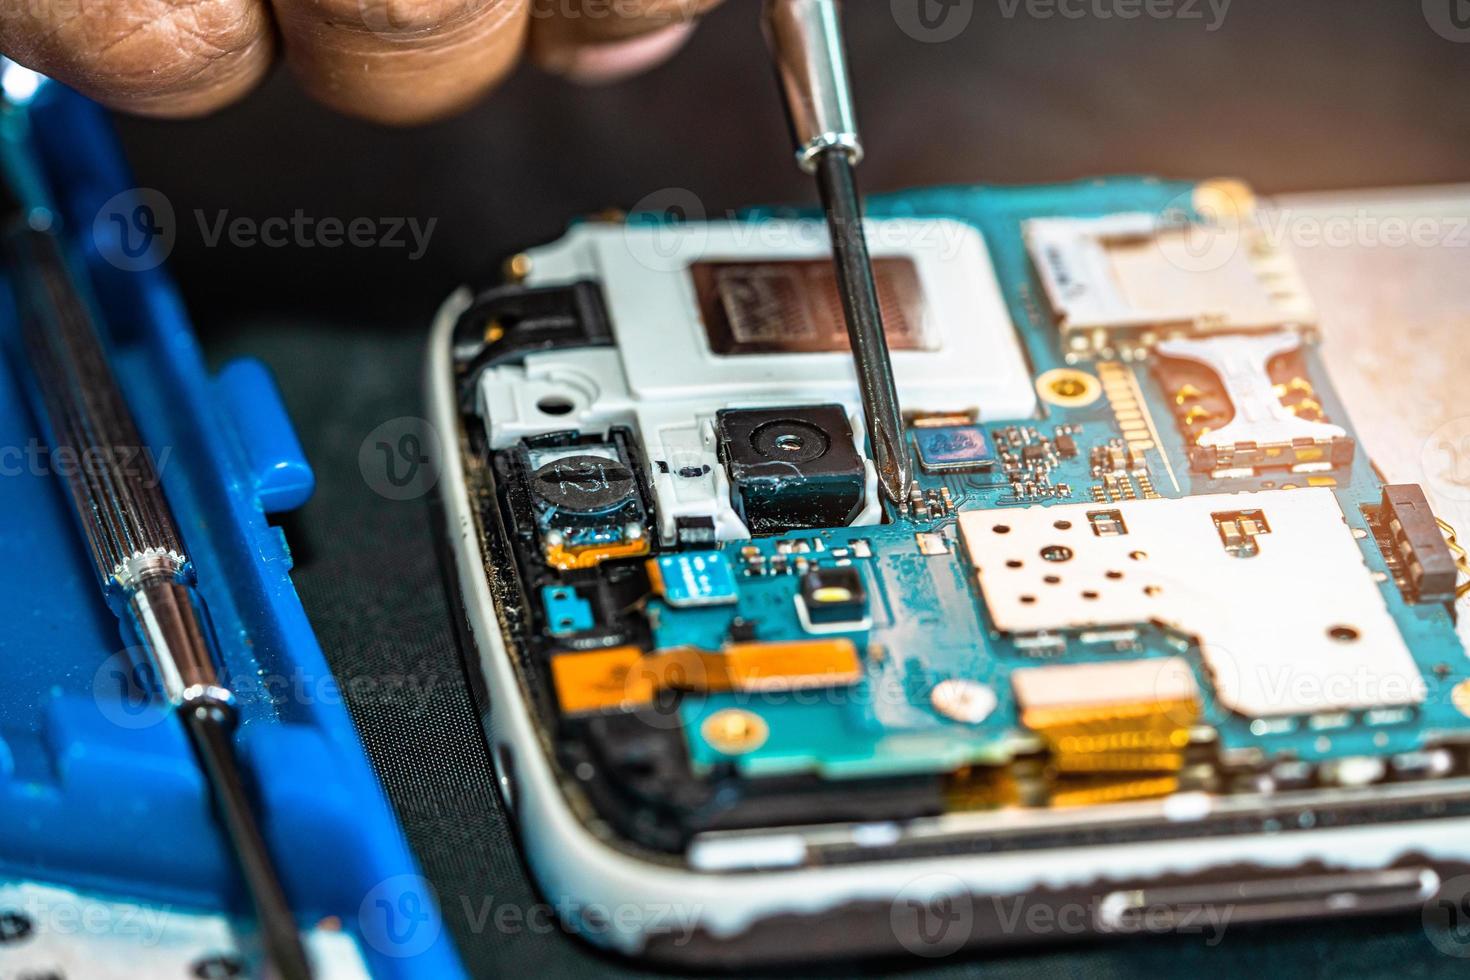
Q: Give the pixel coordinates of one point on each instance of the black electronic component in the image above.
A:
(580, 499)
(505, 324)
(792, 468)
(1066, 446)
(1412, 536)
(695, 532)
(584, 485)
(833, 595)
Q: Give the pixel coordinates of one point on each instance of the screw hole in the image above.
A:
(555, 405)
(1056, 552)
(14, 926)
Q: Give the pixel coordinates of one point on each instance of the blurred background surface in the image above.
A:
(1291, 96)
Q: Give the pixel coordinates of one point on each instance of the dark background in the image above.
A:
(1289, 94)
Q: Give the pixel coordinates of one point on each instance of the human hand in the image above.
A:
(393, 61)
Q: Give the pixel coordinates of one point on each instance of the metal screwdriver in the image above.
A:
(805, 38)
(138, 553)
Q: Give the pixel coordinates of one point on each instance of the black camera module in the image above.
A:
(792, 468)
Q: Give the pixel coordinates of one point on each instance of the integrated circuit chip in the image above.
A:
(694, 578)
(948, 448)
(793, 306)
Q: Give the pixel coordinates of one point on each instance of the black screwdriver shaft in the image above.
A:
(838, 185)
(805, 38)
(209, 730)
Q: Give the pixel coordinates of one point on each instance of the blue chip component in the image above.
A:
(952, 447)
(566, 611)
(697, 578)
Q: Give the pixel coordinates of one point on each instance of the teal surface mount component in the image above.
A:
(566, 611)
(697, 578)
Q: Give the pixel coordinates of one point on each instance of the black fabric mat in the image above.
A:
(367, 571)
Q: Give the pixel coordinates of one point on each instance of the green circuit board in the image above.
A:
(929, 622)
(1179, 572)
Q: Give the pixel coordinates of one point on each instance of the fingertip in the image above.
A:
(401, 62)
(182, 63)
(599, 63)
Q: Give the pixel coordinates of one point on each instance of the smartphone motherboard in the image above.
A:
(1144, 568)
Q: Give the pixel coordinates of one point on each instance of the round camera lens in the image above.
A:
(790, 440)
